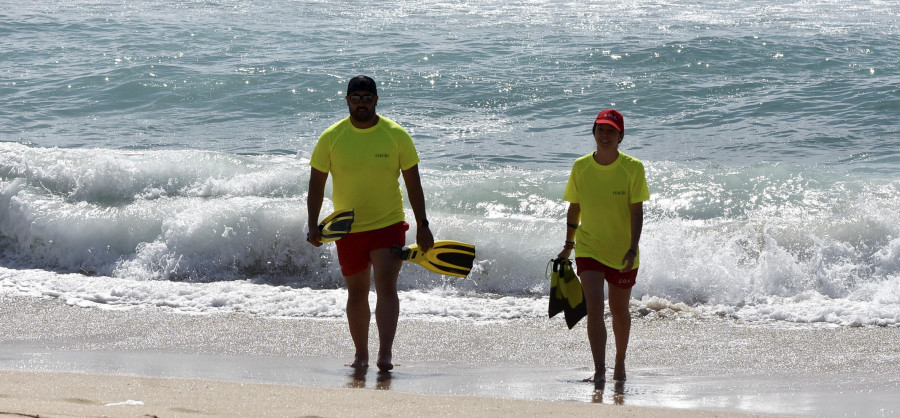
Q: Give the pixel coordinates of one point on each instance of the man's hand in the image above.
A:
(424, 238)
(314, 236)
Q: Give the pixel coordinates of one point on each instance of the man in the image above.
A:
(366, 153)
(606, 193)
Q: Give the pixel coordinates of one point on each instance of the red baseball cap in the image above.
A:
(611, 117)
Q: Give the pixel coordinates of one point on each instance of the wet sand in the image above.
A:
(237, 364)
(67, 394)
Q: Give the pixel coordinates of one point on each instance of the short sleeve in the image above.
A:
(639, 190)
(571, 193)
(321, 156)
(408, 154)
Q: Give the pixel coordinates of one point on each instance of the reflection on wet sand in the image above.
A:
(383, 380)
(357, 379)
(618, 395)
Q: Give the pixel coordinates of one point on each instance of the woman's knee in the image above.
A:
(619, 313)
(619, 308)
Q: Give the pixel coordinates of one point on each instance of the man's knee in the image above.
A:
(357, 291)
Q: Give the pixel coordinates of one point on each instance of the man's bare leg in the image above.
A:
(386, 267)
(359, 315)
(592, 283)
(621, 323)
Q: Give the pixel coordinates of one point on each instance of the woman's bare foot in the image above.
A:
(384, 362)
(360, 362)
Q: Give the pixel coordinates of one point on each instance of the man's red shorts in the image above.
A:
(613, 276)
(354, 248)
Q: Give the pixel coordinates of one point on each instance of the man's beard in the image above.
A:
(363, 114)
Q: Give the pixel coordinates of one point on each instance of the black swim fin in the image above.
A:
(566, 294)
(336, 225)
(452, 258)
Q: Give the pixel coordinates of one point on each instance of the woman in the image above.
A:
(606, 191)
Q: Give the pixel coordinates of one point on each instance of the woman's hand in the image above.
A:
(628, 261)
(565, 253)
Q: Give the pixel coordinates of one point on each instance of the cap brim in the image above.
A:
(607, 122)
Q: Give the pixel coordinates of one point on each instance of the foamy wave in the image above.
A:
(722, 241)
(252, 297)
(813, 308)
(114, 178)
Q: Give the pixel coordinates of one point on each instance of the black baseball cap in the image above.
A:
(363, 83)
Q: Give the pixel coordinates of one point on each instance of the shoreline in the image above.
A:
(683, 365)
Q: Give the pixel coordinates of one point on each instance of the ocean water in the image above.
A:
(155, 153)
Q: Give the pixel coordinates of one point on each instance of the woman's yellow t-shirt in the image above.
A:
(365, 167)
(605, 194)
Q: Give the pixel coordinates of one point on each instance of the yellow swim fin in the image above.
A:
(336, 225)
(566, 294)
(452, 258)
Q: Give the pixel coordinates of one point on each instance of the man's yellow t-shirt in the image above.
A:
(365, 167)
(605, 194)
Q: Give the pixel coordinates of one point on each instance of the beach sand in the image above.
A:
(61, 360)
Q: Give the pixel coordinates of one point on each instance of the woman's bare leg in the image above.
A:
(592, 283)
(621, 323)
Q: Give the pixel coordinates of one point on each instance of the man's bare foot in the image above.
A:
(384, 363)
(598, 377)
